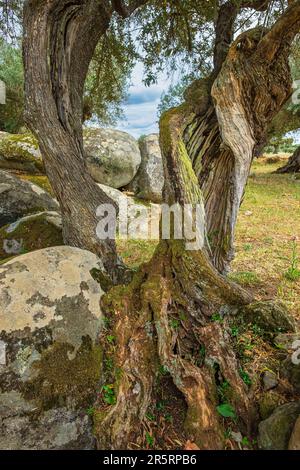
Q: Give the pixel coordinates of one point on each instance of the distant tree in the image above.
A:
(277, 144)
(289, 118)
(11, 73)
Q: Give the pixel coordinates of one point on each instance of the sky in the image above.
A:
(141, 107)
(140, 110)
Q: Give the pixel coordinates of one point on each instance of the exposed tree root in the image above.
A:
(163, 318)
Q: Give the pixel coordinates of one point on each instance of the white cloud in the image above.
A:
(141, 108)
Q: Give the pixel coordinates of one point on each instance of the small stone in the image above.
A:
(269, 380)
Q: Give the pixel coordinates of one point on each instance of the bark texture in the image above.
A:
(293, 164)
(59, 41)
(229, 118)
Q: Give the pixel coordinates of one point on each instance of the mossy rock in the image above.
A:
(20, 152)
(268, 403)
(275, 431)
(20, 198)
(272, 317)
(30, 233)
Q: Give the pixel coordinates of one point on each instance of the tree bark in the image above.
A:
(59, 41)
(229, 117)
(293, 164)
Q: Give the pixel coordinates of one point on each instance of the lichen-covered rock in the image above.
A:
(20, 152)
(50, 358)
(294, 443)
(149, 181)
(113, 157)
(275, 431)
(30, 233)
(271, 316)
(19, 198)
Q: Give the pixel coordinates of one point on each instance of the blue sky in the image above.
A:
(140, 110)
(141, 107)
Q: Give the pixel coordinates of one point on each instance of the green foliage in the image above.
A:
(109, 74)
(293, 272)
(149, 439)
(245, 377)
(11, 73)
(109, 394)
(280, 144)
(226, 410)
(217, 317)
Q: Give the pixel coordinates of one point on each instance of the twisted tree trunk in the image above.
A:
(59, 41)
(293, 164)
(229, 118)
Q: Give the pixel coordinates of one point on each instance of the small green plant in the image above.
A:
(90, 411)
(168, 418)
(160, 406)
(235, 331)
(149, 439)
(109, 363)
(227, 433)
(245, 377)
(109, 394)
(174, 324)
(163, 370)
(257, 330)
(110, 339)
(226, 410)
(217, 317)
(245, 442)
(247, 247)
(293, 273)
(106, 322)
(150, 416)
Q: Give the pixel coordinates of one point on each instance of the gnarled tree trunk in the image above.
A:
(293, 164)
(59, 41)
(229, 118)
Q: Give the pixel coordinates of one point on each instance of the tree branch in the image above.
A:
(283, 31)
(125, 11)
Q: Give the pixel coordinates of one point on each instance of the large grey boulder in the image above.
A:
(149, 181)
(275, 431)
(18, 198)
(50, 358)
(20, 152)
(113, 157)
